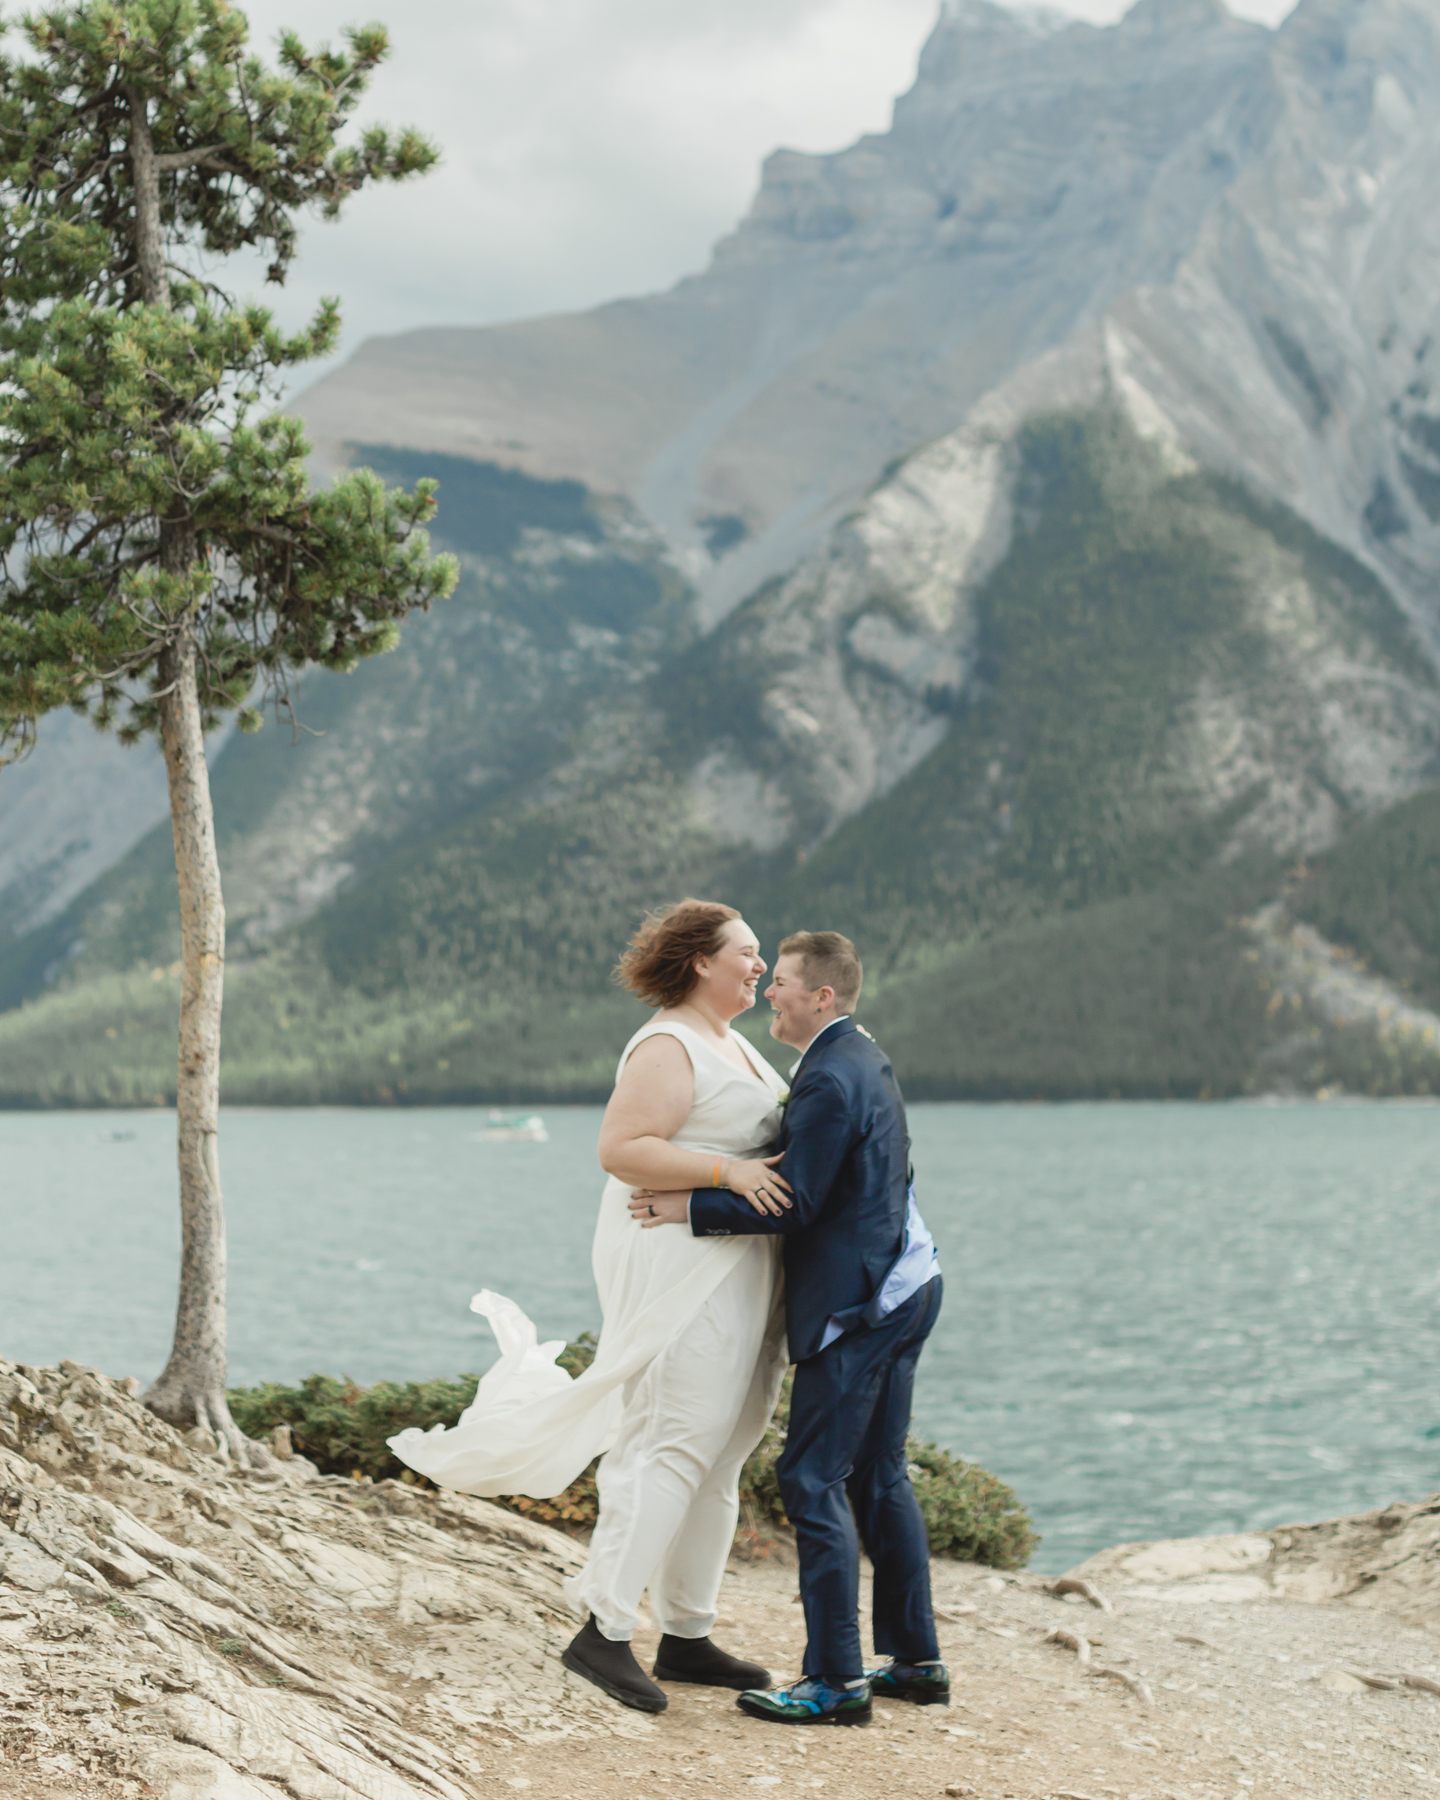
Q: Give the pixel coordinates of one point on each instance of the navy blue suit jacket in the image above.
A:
(847, 1159)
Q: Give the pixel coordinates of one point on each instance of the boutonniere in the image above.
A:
(784, 1096)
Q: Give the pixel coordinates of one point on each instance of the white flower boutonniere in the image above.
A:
(784, 1096)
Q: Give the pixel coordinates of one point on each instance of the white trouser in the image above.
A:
(670, 1485)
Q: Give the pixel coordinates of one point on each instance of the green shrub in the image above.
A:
(969, 1513)
(342, 1428)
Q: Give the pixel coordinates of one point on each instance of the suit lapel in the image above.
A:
(813, 1056)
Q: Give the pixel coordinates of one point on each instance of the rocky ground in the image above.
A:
(169, 1630)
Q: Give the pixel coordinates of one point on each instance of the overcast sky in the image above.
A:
(591, 148)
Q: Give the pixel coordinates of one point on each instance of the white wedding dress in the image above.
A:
(689, 1362)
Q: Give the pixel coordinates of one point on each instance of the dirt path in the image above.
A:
(1249, 1712)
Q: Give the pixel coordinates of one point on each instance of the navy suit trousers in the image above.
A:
(849, 1415)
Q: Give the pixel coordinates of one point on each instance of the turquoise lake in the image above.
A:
(1159, 1319)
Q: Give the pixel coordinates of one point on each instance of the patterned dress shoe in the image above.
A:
(613, 1669)
(810, 1702)
(926, 1684)
(705, 1664)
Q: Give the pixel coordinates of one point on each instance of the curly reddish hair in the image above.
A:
(659, 964)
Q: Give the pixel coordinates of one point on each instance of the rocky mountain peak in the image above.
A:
(1037, 169)
(1016, 123)
(1168, 17)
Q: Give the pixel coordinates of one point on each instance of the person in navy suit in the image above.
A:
(862, 1292)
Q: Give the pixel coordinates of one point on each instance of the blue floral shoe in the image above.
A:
(926, 1684)
(810, 1702)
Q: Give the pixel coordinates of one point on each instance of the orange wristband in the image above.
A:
(715, 1176)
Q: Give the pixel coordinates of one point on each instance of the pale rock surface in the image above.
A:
(1310, 973)
(224, 1638)
(1388, 1560)
(874, 632)
(170, 1633)
(69, 811)
(1038, 169)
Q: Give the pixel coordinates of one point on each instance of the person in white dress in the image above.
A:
(692, 1348)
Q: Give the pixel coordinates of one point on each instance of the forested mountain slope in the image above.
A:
(1016, 550)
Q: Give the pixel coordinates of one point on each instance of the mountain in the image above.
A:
(1037, 171)
(1247, 212)
(1019, 548)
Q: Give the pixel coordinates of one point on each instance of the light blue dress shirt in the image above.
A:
(919, 1262)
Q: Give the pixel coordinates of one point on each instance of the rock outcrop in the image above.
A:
(1387, 1561)
(167, 1629)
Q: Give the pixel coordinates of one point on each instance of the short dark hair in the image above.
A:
(826, 960)
(659, 964)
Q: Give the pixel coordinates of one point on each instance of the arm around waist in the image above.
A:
(818, 1137)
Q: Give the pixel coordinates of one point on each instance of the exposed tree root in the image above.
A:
(190, 1409)
(1077, 1584)
(1136, 1686)
(1070, 1640)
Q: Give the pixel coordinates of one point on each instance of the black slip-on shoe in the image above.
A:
(924, 1684)
(706, 1664)
(613, 1669)
(809, 1702)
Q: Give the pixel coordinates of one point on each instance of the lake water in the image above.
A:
(1159, 1320)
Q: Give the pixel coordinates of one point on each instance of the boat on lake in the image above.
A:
(515, 1128)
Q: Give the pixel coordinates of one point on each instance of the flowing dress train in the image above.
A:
(531, 1429)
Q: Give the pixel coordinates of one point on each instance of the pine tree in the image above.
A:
(164, 558)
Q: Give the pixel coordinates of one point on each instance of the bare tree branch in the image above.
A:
(185, 159)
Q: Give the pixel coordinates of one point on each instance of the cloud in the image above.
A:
(592, 148)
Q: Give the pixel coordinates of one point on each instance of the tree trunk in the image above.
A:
(191, 1388)
(149, 239)
(191, 1391)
